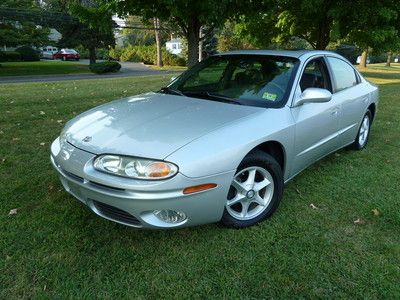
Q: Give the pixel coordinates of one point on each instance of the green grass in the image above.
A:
(41, 68)
(56, 248)
(168, 68)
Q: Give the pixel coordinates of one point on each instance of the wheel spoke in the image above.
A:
(238, 198)
(258, 186)
(252, 176)
(245, 208)
(259, 200)
(240, 188)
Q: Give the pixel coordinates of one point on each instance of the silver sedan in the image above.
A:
(219, 142)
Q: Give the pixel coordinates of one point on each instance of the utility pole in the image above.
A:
(158, 41)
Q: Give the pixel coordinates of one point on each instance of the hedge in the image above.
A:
(105, 67)
(28, 54)
(145, 54)
(9, 56)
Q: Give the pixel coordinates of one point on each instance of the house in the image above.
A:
(174, 46)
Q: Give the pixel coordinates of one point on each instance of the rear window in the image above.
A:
(344, 74)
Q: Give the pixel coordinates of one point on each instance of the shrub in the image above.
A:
(102, 53)
(105, 67)
(9, 56)
(146, 54)
(115, 53)
(377, 58)
(28, 54)
(350, 52)
(172, 59)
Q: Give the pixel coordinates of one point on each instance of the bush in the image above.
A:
(115, 53)
(101, 53)
(146, 54)
(105, 67)
(9, 56)
(28, 54)
(350, 52)
(379, 58)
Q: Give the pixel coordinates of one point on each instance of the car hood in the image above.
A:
(151, 125)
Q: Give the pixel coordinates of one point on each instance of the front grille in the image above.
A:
(115, 213)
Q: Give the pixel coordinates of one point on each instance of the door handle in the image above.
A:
(334, 113)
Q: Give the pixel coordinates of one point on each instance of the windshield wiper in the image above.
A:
(212, 96)
(168, 90)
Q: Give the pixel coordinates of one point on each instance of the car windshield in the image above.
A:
(69, 51)
(256, 80)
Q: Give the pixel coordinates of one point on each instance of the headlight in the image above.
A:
(138, 168)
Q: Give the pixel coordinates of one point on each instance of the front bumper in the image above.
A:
(132, 202)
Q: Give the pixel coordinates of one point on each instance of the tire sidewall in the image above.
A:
(263, 160)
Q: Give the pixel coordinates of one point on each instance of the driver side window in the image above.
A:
(315, 75)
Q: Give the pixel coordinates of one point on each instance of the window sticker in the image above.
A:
(269, 96)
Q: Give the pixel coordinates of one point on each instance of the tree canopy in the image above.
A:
(187, 16)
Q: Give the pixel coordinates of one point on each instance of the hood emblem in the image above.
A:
(87, 139)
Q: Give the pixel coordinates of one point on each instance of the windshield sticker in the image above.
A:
(270, 96)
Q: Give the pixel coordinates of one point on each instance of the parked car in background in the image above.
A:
(67, 54)
(48, 52)
(219, 142)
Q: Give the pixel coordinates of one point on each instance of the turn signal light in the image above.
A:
(199, 188)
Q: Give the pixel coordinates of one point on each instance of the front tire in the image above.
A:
(255, 192)
(363, 132)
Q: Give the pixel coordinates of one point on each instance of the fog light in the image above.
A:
(170, 216)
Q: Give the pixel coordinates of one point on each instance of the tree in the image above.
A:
(86, 23)
(374, 24)
(188, 17)
(283, 20)
(15, 29)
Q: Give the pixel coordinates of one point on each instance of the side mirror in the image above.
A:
(314, 95)
(173, 78)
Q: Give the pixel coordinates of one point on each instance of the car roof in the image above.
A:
(289, 53)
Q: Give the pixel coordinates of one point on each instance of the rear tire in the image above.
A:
(255, 192)
(362, 137)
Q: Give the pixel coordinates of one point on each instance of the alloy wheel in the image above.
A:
(250, 193)
(364, 130)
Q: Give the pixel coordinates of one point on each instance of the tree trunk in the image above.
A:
(192, 36)
(158, 42)
(364, 56)
(389, 59)
(200, 45)
(323, 34)
(92, 55)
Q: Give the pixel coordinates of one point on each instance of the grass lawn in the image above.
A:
(41, 68)
(55, 248)
(168, 68)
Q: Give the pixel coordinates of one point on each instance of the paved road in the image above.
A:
(128, 69)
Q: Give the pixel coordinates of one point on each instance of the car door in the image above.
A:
(353, 99)
(316, 124)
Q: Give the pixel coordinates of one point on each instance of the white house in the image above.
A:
(174, 46)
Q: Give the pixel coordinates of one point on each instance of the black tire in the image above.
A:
(358, 143)
(263, 160)
(77, 59)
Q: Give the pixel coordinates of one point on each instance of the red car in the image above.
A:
(67, 54)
